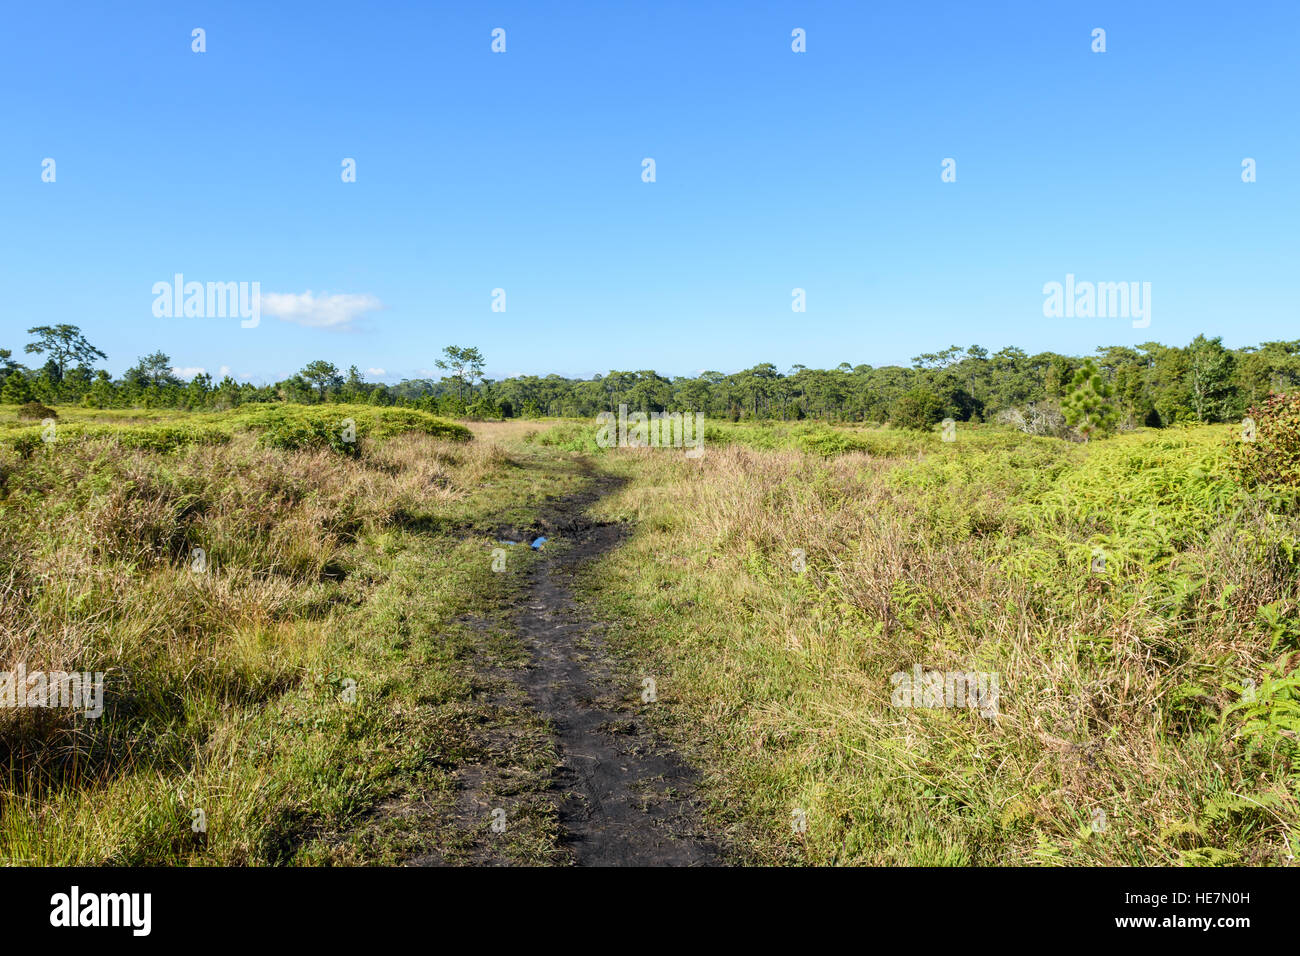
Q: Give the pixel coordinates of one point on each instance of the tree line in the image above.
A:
(1119, 386)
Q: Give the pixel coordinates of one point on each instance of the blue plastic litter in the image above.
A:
(537, 545)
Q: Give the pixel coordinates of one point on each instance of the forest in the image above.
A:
(1150, 385)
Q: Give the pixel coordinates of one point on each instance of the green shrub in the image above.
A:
(295, 431)
(16, 389)
(277, 426)
(35, 411)
(819, 439)
(339, 427)
(1269, 459)
(165, 438)
(570, 436)
(916, 409)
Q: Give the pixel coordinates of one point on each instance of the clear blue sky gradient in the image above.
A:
(775, 170)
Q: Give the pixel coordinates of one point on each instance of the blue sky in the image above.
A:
(522, 171)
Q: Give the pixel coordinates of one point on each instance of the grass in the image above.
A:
(1158, 696)
(342, 428)
(315, 669)
(819, 438)
(304, 639)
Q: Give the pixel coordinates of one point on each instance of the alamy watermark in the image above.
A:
(1098, 300)
(76, 908)
(213, 300)
(939, 689)
(81, 691)
(655, 430)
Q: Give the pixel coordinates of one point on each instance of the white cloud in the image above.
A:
(188, 372)
(375, 372)
(337, 311)
(223, 371)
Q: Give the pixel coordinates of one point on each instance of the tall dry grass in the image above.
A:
(1117, 689)
(100, 572)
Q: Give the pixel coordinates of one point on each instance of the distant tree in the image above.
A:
(1056, 371)
(938, 360)
(1089, 406)
(16, 390)
(198, 391)
(465, 365)
(45, 383)
(101, 391)
(355, 386)
(1167, 375)
(650, 392)
(322, 376)
(759, 384)
(1210, 379)
(1272, 367)
(65, 344)
(76, 382)
(152, 371)
(1011, 379)
(1126, 369)
(918, 408)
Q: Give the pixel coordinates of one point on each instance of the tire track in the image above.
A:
(624, 797)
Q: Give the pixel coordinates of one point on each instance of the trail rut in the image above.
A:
(624, 798)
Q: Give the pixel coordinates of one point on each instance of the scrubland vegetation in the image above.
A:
(317, 680)
(1149, 712)
(327, 573)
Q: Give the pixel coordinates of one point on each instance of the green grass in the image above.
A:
(820, 438)
(772, 587)
(1161, 692)
(337, 427)
(324, 669)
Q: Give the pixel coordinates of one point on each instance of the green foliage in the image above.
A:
(322, 376)
(1268, 717)
(296, 428)
(224, 681)
(1089, 406)
(16, 390)
(340, 427)
(277, 426)
(64, 344)
(1210, 373)
(35, 411)
(569, 436)
(465, 364)
(1154, 385)
(820, 439)
(483, 408)
(1269, 459)
(979, 552)
(153, 371)
(916, 409)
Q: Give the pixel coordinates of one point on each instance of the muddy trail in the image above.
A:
(623, 797)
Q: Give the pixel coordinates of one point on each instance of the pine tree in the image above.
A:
(1089, 404)
(16, 390)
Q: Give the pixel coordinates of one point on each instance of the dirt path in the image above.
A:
(623, 797)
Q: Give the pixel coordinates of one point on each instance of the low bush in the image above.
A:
(35, 411)
(1266, 455)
